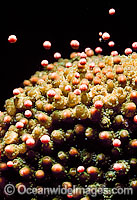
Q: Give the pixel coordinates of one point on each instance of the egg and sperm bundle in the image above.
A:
(74, 123)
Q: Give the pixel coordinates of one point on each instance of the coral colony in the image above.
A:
(74, 123)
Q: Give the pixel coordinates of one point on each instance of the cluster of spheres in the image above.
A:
(72, 124)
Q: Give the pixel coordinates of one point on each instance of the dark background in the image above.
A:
(58, 23)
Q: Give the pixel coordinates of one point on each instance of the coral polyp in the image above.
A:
(72, 124)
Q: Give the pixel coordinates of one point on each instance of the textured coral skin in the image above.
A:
(81, 130)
